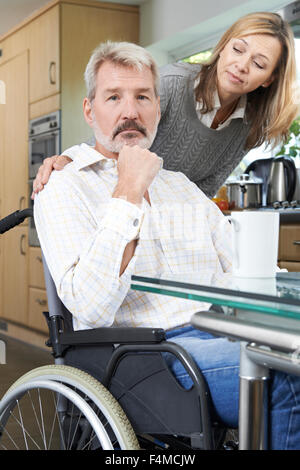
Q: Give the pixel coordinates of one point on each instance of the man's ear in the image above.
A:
(87, 111)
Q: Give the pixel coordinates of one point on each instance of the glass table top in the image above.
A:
(278, 296)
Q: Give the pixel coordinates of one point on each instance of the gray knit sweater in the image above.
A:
(206, 156)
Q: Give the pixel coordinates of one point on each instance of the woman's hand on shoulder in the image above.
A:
(57, 162)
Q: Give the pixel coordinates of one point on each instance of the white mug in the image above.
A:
(255, 243)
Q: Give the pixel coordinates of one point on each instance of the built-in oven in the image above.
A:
(44, 141)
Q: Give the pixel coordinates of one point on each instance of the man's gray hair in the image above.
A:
(120, 53)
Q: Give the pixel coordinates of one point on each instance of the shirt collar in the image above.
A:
(90, 156)
(239, 111)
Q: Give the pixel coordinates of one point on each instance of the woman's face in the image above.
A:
(245, 64)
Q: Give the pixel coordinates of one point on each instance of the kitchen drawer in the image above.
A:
(36, 271)
(289, 242)
(37, 305)
(291, 266)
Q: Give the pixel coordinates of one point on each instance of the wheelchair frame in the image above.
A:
(123, 344)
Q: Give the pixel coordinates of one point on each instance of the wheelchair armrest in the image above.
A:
(112, 336)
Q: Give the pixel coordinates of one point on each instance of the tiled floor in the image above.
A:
(20, 358)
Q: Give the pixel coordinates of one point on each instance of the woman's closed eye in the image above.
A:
(259, 65)
(239, 51)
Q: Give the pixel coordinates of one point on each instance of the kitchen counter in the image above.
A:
(287, 216)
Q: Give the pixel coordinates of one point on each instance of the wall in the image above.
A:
(13, 12)
(174, 29)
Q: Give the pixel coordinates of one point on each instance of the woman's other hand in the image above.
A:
(57, 162)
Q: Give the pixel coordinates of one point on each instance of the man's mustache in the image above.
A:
(129, 124)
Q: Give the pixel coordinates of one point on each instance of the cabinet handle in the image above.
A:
(41, 302)
(39, 258)
(23, 237)
(22, 198)
(296, 242)
(51, 68)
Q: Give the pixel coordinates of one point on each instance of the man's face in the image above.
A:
(125, 109)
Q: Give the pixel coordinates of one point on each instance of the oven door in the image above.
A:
(41, 147)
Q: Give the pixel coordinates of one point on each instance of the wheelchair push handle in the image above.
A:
(14, 219)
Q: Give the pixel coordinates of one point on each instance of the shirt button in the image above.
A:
(135, 222)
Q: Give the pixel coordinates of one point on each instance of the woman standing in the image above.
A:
(214, 113)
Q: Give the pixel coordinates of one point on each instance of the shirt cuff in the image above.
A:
(123, 217)
(70, 152)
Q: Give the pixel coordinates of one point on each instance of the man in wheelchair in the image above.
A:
(114, 212)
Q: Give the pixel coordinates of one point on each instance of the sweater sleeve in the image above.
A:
(212, 184)
(165, 94)
(219, 174)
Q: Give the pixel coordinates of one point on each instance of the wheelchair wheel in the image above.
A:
(61, 407)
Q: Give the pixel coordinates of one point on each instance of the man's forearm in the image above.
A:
(128, 254)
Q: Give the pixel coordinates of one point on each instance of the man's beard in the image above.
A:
(109, 143)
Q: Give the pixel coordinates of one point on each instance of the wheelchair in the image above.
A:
(108, 389)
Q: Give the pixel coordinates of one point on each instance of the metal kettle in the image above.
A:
(282, 180)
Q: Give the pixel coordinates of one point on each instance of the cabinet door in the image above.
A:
(1, 278)
(291, 266)
(2, 134)
(44, 55)
(14, 186)
(36, 271)
(37, 305)
(14, 135)
(15, 275)
(289, 242)
(2, 121)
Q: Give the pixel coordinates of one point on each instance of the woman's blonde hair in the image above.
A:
(270, 110)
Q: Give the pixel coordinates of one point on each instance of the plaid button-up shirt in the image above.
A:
(83, 233)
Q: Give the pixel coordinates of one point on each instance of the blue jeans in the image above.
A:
(218, 359)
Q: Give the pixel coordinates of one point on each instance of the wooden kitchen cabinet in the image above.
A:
(1, 278)
(36, 271)
(37, 299)
(37, 304)
(15, 275)
(14, 135)
(289, 247)
(44, 40)
(60, 38)
(14, 187)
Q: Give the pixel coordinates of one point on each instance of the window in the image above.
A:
(199, 58)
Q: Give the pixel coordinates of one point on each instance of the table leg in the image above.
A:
(253, 405)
